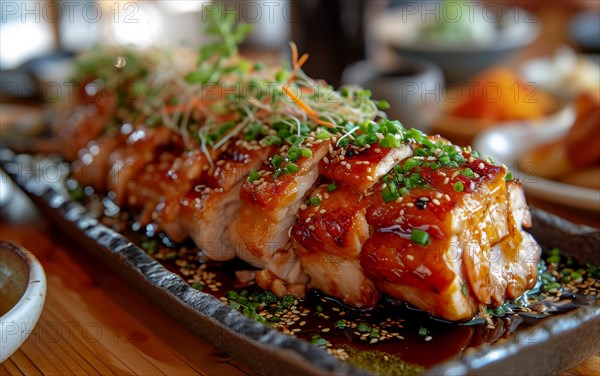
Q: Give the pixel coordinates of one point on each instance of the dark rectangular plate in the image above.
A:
(553, 344)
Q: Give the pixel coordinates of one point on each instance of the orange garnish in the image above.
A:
(309, 111)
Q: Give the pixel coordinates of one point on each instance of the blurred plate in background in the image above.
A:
(509, 144)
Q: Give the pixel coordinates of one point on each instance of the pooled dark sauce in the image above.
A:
(393, 334)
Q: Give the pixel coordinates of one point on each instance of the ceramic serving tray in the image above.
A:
(545, 347)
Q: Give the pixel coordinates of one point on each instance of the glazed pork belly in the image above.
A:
(360, 167)
(206, 212)
(271, 201)
(138, 172)
(332, 228)
(83, 120)
(328, 239)
(452, 243)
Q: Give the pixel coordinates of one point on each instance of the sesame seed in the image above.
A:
(481, 166)
(303, 207)
(410, 205)
(410, 257)
(348, 167)
(326, 160)
(446, 180)
(436, 202)
(428, 338)
(311, 228)
(447, 197)
(377, 150)
(369, 178)
(322, 211)
(307, 220)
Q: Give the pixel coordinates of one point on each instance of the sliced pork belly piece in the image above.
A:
(470, 216)
(184, 175)
(270, 205)
(84, 120)
(514, 267)
(362, 167)
(92, 167)
(328, 239)
(142, 147)
(207, 210)
(210, 215)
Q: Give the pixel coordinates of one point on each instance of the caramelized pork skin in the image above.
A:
(478, 253)
(82, 121)
(326, 223)
(328, 239)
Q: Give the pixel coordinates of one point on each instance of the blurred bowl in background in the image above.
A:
(564, 75)
(413, 88)
(461, 45)
(22, 296)
(463, 131)
(509, 144)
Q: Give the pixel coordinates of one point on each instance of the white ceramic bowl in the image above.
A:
(509, 31)
(462, 129)
(22, 296)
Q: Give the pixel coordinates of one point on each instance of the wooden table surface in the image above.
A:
(94, 323)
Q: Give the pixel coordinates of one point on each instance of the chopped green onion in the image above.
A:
(362, 327)
(323, 135)
(464, 289)
(390, 141)
(410, 164)
(340, 324)
(459, 186)
(287, 301)
(291, 167)
(382, 104)
(281, 76)
(331, 187)
(276, 160)
(253, 176)
(390, 193)
(423, 331)
(420, 237)
(509, 176)
(317, 340)
(306, 152)
(294, 153)
(468, 173)
(314, 201)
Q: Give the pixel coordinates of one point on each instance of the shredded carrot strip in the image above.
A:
(297, 64)
(298, 101)
(294, 49)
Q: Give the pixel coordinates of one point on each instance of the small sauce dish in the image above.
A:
(22, 296)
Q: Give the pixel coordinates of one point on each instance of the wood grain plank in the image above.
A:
(107, 338)
(105, 361)
(49, 356)
(79, 353)
(24, 364)
(9, 368)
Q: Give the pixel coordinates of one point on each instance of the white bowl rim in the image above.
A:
(502, 41)
(32, 299)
